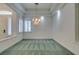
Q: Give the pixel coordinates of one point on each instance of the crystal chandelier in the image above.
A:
(36, 20)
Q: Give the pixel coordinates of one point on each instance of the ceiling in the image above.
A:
(39, 7)
(31, 8)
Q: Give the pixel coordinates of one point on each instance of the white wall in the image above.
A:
(42, 30)
(10, 41)
(5, 40)
(66, 34)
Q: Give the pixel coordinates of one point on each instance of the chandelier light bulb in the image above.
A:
(35, 21)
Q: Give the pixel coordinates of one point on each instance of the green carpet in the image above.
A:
(37, 47)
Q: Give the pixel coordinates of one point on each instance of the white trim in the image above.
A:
(5, 12)
(7, 38)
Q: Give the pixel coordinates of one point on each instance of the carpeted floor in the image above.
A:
(37, 47)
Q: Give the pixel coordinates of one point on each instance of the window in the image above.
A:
(9, 25)
(42, 18)
(20, 25)
(58, 14)
(27, 26)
